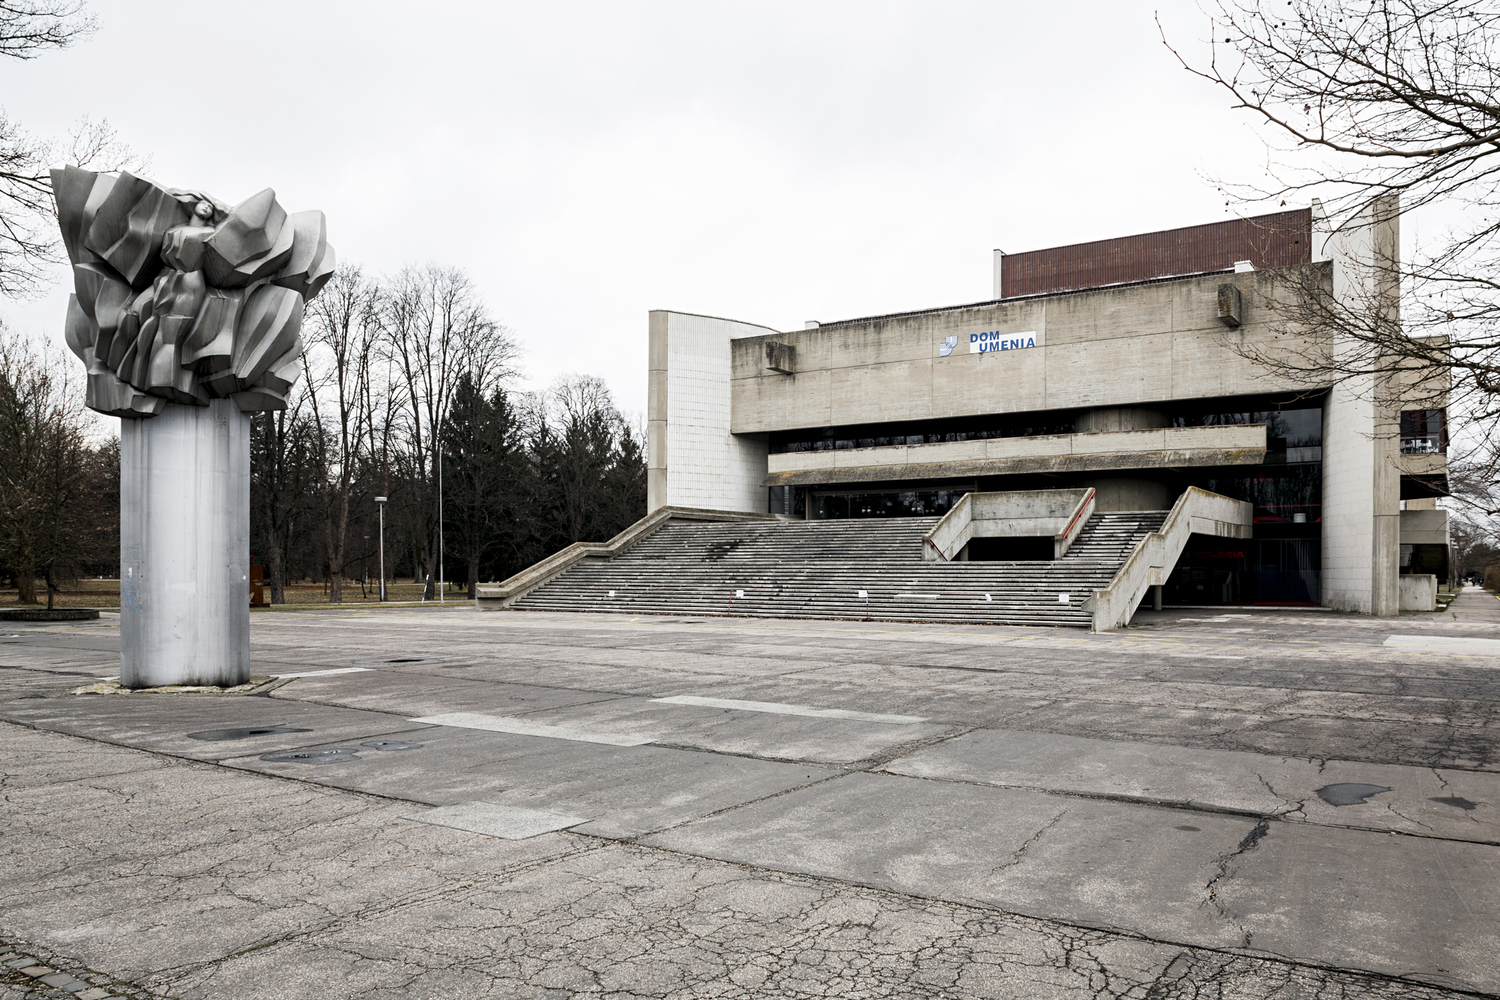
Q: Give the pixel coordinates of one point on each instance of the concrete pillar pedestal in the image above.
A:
(185, 546)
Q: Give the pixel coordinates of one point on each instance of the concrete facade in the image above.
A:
(692, 458)
(1103, 348)
(1113, 363)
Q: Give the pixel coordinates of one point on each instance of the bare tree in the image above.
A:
(28, 225)
(339, 365)
(283, 478)
(436, 329)
(29, 27)
(54, 502)
(1381, 107)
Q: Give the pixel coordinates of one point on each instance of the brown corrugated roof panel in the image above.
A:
(1276, 240)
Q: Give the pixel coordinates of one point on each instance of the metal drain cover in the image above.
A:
(391, 745)
(244, 733)
(336, 755)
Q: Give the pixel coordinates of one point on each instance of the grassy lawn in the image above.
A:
(106, 594)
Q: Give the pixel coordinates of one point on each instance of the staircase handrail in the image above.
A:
(956, 520)
(1063, 540)
(512, 589)
(1151, 561)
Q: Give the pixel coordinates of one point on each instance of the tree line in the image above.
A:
(405, 394)
(59, 489)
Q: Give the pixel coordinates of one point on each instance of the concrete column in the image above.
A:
(1361, 447)
(656, 412)
(185, 546)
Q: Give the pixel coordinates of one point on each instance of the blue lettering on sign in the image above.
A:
(994, 340)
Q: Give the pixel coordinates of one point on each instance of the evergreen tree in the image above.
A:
(479, 462)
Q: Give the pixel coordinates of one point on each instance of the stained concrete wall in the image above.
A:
(1105, 348)
(692, 458)
(1418, 592)
(1424, 527)
(1121, 493)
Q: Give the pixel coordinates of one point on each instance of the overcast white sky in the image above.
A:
(588, 162)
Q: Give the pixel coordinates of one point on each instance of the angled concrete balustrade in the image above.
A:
(1197, 511)
(495, 596)
(1058, 514)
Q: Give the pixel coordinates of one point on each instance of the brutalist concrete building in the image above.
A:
(1121, 365)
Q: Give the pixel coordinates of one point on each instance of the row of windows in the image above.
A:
(1296, 425)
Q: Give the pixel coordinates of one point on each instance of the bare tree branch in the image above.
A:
(29, 27)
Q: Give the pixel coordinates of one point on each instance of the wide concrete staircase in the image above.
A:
(818, 569)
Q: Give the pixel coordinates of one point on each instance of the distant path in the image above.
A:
(1476, 606)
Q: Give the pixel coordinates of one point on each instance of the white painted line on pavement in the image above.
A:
(325, 673)
(1208, 656)
(779, 708)
(1444, 644)
(509, 822)
(521, 727)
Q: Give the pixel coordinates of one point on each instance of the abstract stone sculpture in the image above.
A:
(187, 312)
(180, 298)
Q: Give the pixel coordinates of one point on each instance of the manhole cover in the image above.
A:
(336, 755)
(242, 734)
(391, 745)
(1349, 793)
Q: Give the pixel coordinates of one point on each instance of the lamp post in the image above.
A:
(380, 505)
(440, 525)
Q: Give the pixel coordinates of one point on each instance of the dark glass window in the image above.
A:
(1289, 495)
(908, 503)
(1424, 432)
(1000, 425)
(1294, 427)
(1293, 435)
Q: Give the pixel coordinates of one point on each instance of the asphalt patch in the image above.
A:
(1349, 793)
(334, 755)
(244, 733)
(1457, 802)
(391, 745)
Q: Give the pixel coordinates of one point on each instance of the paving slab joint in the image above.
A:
(49, 975)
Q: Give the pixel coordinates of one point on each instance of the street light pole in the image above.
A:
(441, 585)
(380, 504)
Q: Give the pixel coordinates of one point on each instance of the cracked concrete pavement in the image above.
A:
(988, 812)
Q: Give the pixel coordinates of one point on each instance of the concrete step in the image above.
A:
(816, 569)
